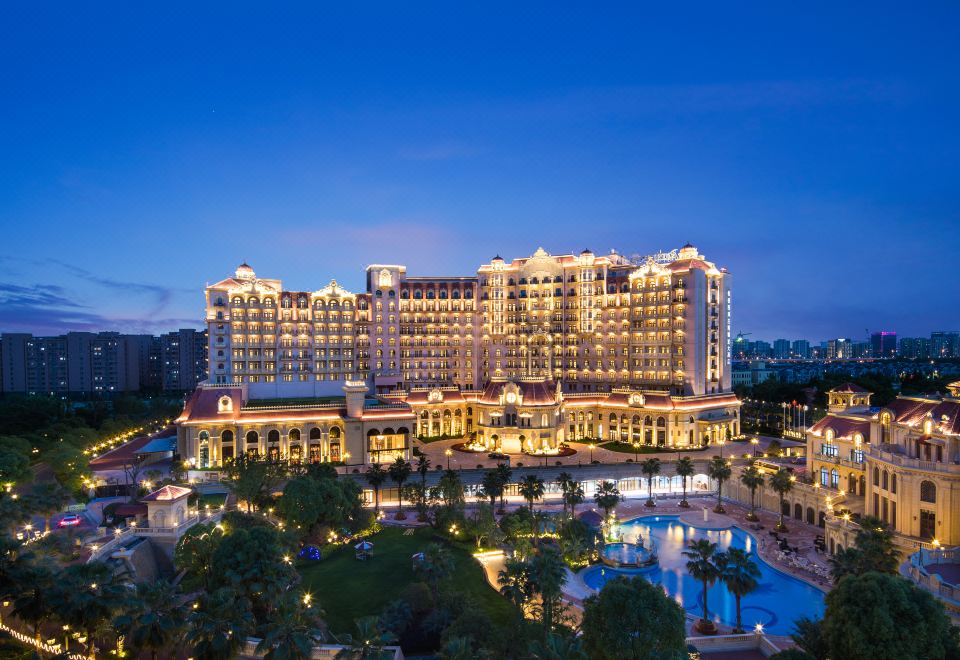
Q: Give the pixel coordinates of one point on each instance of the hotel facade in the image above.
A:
(525, 355)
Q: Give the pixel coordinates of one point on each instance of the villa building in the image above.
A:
(899, 463)
(524, 355)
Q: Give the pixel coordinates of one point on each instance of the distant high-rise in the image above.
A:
(945, 344)
(781, 349)
(184, 359)
(883, 344)
(801, 349)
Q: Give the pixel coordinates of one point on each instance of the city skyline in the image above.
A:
(813, 175)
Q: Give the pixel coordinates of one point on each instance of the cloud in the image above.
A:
(43, 308)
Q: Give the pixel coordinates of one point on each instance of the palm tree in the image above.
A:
(219, 625)
(371, 638)
(436, 566)
(781, 482)
(685, 470)
(752, 479)
(423, 468)
(492, 486)
(701, 567)
(566, 482)
(531, 489)
(514, 581)
(573, 497)
(607, 497)
(399, 472)
(548, 574)
(458, 648)
(719, 471)
(375, 476)
(87, 598)
(557, 647)
(740, 574)
(34, 603)
(651, 468)
(291, 631)
(154, 618)
(505, 473)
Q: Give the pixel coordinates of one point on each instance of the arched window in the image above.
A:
(315, 433)
(928, 492)
(893, 483)
(253, 437)
(226, 436)
(834, 478)
(294, 435)
(876, 476)
(884, 480)
(273, 436)
(335, 433)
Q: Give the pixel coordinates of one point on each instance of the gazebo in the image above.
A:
(363, 550)
(167, 508)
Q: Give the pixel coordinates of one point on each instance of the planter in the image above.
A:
(705, 627)
(684, 504)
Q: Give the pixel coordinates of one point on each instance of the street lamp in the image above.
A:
(754, 442)
(636, 452)
(591, 452)
(448, 452)
(721, 442)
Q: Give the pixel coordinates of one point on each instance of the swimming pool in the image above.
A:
(779, 600)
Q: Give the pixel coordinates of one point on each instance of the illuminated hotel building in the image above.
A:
(535, 351)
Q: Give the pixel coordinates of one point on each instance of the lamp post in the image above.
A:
(636, 452)
(754, 442)
(591, 453)
(721, 442)
(448, 454)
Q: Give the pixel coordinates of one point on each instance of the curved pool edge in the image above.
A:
(705, 528)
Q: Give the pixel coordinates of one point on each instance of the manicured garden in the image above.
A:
(348, 589)
(627, 448)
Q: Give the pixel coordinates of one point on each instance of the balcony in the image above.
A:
(912, 463)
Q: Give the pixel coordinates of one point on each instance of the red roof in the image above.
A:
(849, 388)
(843, 426)
(167, 494)
(913, 412)
(537, 393)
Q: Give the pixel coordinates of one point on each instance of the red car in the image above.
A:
(69, 520)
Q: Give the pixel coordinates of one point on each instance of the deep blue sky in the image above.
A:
(811, 149)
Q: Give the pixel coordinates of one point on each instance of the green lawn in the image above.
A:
(348, 589)
(213, 499)
(627, 448)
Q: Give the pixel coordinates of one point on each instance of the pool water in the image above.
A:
(778, 601)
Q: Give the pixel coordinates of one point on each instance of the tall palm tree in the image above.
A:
(292, 630)
(573, 497)
(781, 482)
(719, 470)
(566, 482)
(88, 598)
(505, 473)
(219, 625)
(685, 470)
(752, 479)
(154, 618)
(651, 468)
(701, 568)
(375, 476)
(740, 574)
(531, 489)
(514, 581)
(34, 602)
(548, 574)
(400, 471)
(607, 497)
(492, 485)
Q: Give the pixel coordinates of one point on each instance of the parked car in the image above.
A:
(498, 456)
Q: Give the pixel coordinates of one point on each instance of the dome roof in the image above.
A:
(244, 271)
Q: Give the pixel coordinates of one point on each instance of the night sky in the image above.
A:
(811, 149)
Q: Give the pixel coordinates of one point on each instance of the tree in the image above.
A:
(46, 499)
(483, 525)
(308, 502)
(573, 497)
(566, 483)
(701, 568)
(194, 554)
(884, 616)
(87, 598)
(69, 465)
(423, 468)
(249, 560)
(14, 465)
(872, 550)
(752, 479)
(740, 574)
(292, 629)
(632, 618)
(400, 471)
(685, 470)
(719, 470)
(808, 635)
(531, 489)
(435, 568)
(515, 583)
(220, 624)
(375, 476)
(557, 647)
(367, 643)
(252, 477)
(650, 468)
(35, 602)
(607, 497)
(505, 473)
(154, 618)
(492, 486)
(781, 482)
(548, 575)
